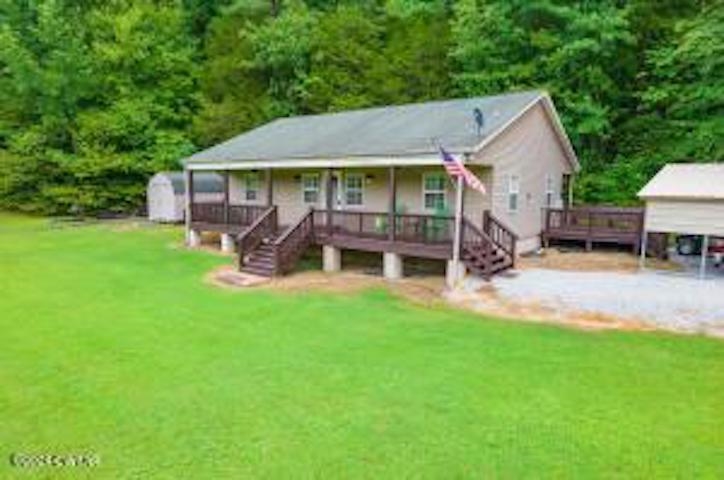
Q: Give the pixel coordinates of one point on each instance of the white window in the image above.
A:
(354, 189)
(434, 191)
(310, 188)
(251, 187)
(550, 191)
(513, 192)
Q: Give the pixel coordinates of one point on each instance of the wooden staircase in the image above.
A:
(489, 251)
(264, 251)
(261, 260)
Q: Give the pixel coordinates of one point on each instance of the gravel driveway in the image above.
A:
(660, 299)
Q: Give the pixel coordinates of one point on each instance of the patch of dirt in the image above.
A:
(487, 301)
(575, 260)
(420, 290)
(226, 276)
(425, 291)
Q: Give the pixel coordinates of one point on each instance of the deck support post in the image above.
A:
(704, 255)
(189, 186)
(644, 243)
(269, 187)
(392, 265)
(454, 273)
(227, 243)
(331, 259)
(194, 238)
(392, 198)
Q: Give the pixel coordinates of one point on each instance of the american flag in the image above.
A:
(455, 169)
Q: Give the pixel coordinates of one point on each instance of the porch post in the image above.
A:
(188, 184)
(328, 193)
(226, 197)
(392, 199)
(269, 188)
(570, 190)
(704, 254)
(457, 240)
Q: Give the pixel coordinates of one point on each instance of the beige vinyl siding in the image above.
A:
(680, 216)
(531, 150)
(287, 191)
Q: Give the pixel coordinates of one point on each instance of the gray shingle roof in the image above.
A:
(383, 131)
(203, 182)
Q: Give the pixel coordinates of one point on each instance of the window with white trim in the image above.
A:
(354, 189)
(434, 191)
(310, 188)
(251, 187)
(550, 191)
(513, 192)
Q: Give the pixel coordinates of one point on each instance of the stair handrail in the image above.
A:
(501, 235)
(487, 244)
(292, 243)
(254, 234)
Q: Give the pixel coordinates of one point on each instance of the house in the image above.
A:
(373, 180)
(686, 199)
(166, 192)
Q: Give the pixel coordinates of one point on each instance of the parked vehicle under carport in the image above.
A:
(687, 245)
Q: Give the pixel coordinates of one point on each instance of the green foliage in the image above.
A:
(94, 100)
(96, 96)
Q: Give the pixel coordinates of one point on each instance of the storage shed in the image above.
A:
(166, 192)
(686, 199)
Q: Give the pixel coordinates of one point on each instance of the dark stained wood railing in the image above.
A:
(292, 243)
(264, 226)
(481, 253)
(412, 228)
(207, 212)
(216, 213)
(500, 234)
(594, 224)
(245, 214)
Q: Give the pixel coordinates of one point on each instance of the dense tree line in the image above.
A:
(96, 95)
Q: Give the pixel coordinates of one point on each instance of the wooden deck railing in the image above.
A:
(500, 234)
(412, 228)
(594, 224)
(292, 243)
(252, 237)
(220, 214)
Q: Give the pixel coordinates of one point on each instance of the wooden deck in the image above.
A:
(423, 236)
(224, 218)
(268, 249)
(621, 226)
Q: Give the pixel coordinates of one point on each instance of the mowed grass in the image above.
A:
(112, 344)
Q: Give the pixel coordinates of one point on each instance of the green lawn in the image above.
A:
(112, 344)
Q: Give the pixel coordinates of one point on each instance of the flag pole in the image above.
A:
(457, 241)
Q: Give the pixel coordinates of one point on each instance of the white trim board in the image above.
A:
(321, 163)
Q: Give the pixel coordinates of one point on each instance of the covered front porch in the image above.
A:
(340, 211)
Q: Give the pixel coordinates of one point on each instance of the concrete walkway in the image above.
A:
(664, 300)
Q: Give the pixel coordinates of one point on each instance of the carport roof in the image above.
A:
(687, 181)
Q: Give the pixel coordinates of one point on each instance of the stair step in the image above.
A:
(262, 262)
(257, 270)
